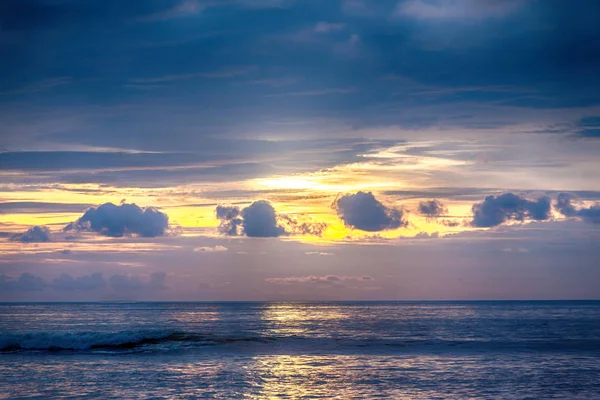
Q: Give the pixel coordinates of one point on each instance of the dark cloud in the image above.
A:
(297, 226)
(432, 208)
(259, 219)
(363, 211)
(26, 282)
(66, 282)
(126, 219)
(36, 234)
(496, 210)
(230, 220)
(565, 206)
(156, 281)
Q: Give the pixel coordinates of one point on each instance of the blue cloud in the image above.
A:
(496, 210)
(432, 208)
(66, 282)
(126, 219)
(36, 234)
(363, 211)
(565, 206)
(259, 219)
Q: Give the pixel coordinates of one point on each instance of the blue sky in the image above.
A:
(346, 117)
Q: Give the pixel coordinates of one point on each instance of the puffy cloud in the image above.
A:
(363, 211)
(565, 207)
(125, 219)
(36, 234)
(86, 282)
(156, 281)
(432, 208)
(260, 219)
(496, 210)
(25, 282)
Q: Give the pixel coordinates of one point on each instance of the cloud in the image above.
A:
(589, 128)
(66, 282)
(259, 219)
(496, 210)
(456, 9)
(126, 219)
(183, 9)
(318, 253)
(26, 282)
(564, 206)
(432, 208)
(363, 211)
(208, 249)
(36, 234)
(297, 226)
(156, 281)
(326, 279)
(326, 27)
(425, 235)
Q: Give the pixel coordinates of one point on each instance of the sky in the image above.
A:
(299, 150)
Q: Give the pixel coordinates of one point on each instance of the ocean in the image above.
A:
(327, 350)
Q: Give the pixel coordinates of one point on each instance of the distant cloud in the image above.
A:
(565, 206)
(183, 9)
(323, 92)
(425, 235)
(156, 281)
(318, 253)
(208, 249)
(589, 128)
(26, 282)
(326, 27)
(363, 211)
(327, 279)
(36, 234)
(456, 9)
(126, 219)
(39, 86)
(66, 282)
(496, 210)
(225, 72)
(432, 208)
(297, 226)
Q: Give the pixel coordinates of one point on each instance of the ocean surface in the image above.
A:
(396, 350)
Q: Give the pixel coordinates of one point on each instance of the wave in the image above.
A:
(177, 340)
(123, 340)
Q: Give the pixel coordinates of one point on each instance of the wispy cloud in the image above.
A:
(228, 72)
(323, 92)
(456, 9)
(39, 86)
(183, 9)
(326, 279)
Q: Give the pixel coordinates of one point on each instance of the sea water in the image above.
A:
(364, 350)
